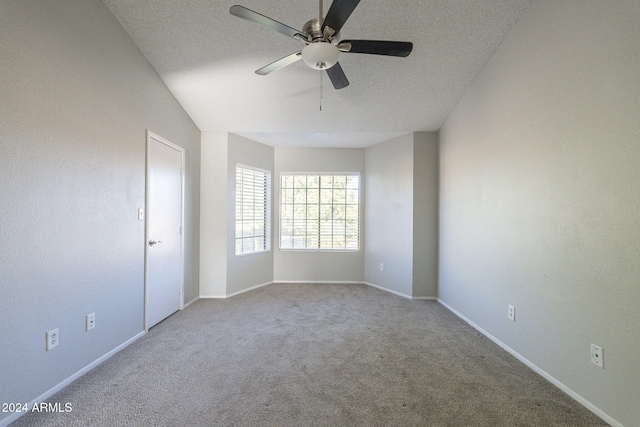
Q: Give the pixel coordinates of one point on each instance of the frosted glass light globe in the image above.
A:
(320, 55)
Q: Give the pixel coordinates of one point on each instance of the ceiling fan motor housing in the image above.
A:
(313, 31)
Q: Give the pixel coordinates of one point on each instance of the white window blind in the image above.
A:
(320, 211)
(253, 210)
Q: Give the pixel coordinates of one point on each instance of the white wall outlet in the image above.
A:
(381, 267)
(52, 339)
(140, 214)
(91, 321)
(597, 355)
(512, 312)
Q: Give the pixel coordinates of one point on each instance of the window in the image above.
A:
(320, 212)
(253, 210)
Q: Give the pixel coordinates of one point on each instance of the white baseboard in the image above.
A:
(319, 282)
(47, 394)
(343, 282)
(249, 289)
(400, 294)
(236, 293)
(190, 302)
(584, 402)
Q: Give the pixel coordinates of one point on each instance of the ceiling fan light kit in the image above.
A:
(322, 39)
(320, 56)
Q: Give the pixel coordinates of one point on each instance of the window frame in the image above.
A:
(320, 249)
(267, 211)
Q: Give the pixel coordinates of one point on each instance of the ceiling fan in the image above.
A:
(322, 39)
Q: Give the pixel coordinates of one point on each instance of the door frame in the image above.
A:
(158, 138)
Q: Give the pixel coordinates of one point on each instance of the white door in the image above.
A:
(164, 229)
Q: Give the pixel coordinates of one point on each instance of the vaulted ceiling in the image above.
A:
(207, 58)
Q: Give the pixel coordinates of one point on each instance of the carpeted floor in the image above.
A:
(313, 355)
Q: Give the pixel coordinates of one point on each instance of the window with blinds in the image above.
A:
(320, 212)
(253, 210)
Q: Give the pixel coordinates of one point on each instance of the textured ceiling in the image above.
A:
(207, 58)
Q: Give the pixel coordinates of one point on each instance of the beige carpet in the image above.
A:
(314, 355)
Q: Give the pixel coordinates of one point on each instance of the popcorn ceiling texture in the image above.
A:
(207, 58)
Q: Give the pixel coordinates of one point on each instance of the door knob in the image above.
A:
(153, 242)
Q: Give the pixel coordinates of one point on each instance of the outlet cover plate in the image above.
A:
(52, 339)
(597, 356)
(91, 321)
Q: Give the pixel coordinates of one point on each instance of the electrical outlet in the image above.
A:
(512, 312)
(381, 267)
(52, 339)
(91, 321)
(597, 356)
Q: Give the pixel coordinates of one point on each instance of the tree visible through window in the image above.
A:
(320, 212)
(253, 210)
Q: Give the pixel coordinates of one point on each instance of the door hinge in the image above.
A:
(182, 172)
(181, 290)
(181, 230)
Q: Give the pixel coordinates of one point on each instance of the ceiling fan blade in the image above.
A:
(377, 47)
(250, 15)
(337, 76)
(338, 14)
(280, 63)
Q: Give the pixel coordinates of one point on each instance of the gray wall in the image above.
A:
(401, 215)
(213, 214)
(404, 171)
(389, 215)
(77, 98)
(246, 271)
(540, 201)
(222, 274)
(426, 155)
(318, 266)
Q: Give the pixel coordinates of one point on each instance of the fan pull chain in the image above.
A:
(321, 89)
(320, 19)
